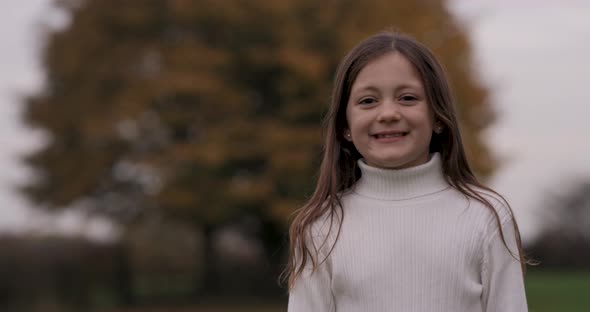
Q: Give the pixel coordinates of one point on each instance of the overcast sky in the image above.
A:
(19, 72)
(531, 54)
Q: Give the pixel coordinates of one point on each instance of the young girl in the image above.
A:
(398, 221)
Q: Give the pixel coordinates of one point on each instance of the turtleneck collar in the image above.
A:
(401, 184)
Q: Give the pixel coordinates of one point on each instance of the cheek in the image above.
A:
(356, 122)
(349, 118)
(422, 119)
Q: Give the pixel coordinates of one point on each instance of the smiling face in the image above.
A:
(389, 119)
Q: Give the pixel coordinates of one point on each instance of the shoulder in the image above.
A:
(495, 208)
(497, 201)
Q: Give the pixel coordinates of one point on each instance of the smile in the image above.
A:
(389, 134)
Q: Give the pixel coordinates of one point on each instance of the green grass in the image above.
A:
(546, 292)
(211, 308)
(558, 291)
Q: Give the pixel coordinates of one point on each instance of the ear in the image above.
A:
(347, 135)
(438, 127)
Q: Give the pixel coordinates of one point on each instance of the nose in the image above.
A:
(389, 112)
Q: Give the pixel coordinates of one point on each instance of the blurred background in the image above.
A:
(153, 152)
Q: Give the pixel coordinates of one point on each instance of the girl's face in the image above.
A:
(389, 119)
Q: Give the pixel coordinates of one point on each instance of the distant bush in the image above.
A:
(68, 270)
(565, 239)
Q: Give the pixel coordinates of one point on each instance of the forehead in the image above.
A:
(389, 70)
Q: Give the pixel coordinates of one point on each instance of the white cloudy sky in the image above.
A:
(532, 55)
(19, 72)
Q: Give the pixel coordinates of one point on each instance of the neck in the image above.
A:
(401, 184)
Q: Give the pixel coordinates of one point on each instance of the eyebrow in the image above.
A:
(374, 88)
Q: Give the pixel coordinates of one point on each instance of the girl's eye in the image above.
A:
(408, 98)
(367, 101)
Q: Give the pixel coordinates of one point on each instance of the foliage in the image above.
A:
(207, 110)
(37, 270)
(564, 241)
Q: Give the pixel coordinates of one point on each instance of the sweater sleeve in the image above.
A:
(312, 290)
(502, 276)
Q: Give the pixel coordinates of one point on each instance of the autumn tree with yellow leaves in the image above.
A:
(207, 111)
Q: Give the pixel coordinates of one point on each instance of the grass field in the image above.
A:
(546, 292)
(558, 291)
(212, 308)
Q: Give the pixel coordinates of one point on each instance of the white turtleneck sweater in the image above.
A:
(411, 243)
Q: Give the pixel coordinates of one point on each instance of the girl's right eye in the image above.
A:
(367, 101)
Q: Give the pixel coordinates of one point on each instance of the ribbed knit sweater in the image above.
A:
(410, 242)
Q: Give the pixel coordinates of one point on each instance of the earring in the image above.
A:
(348, 136)
(438, 128)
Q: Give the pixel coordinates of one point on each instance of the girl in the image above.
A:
(398, 221)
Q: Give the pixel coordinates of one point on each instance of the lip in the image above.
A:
(377, 135)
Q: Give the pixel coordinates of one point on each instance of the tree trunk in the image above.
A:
(124, 276)
(207, 282)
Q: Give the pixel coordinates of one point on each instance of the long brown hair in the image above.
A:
(338, 170)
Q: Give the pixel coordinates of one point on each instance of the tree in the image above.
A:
(206, 111)
(564, 241)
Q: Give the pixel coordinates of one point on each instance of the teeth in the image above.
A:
(392, 135)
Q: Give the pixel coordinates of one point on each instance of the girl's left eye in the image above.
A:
(408, 98)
